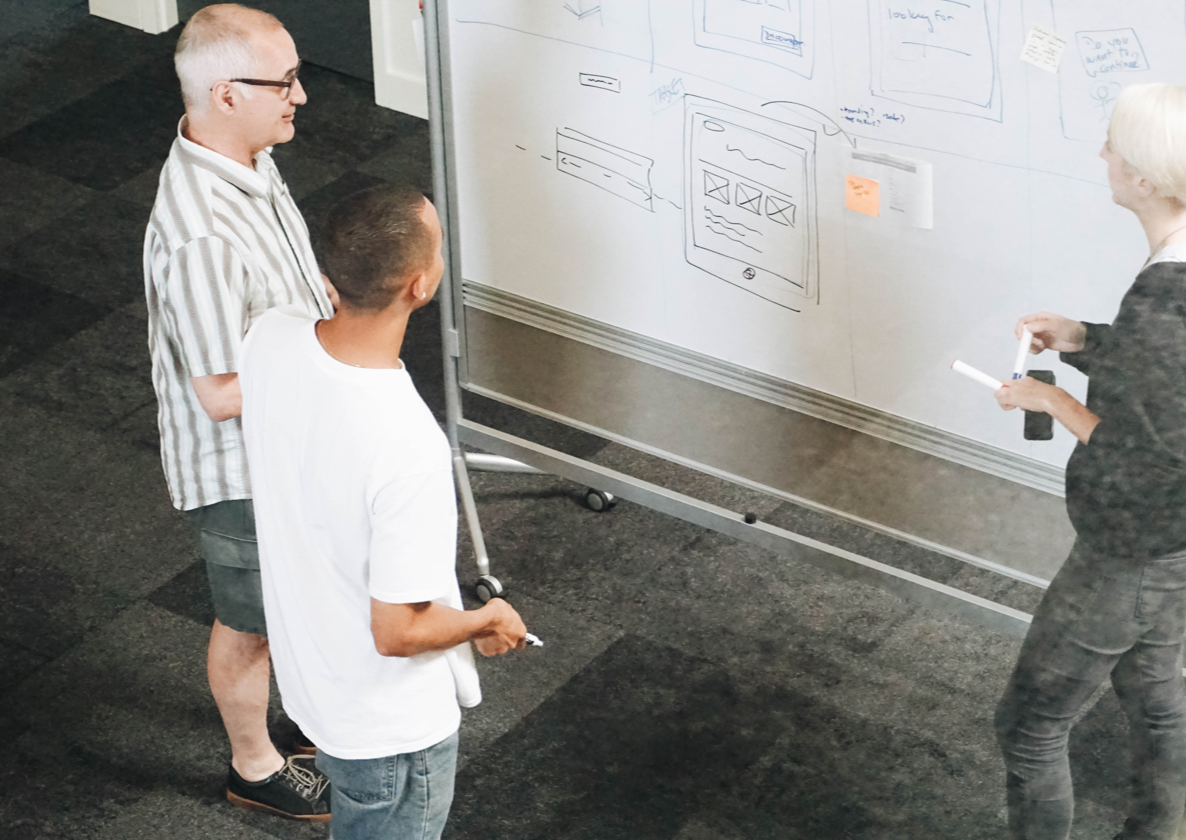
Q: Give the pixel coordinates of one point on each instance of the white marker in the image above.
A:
(533, 639)
(972, 373)
(1023, 350)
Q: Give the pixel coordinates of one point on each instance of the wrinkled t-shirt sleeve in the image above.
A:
(414, 539)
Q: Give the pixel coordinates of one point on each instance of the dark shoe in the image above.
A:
(301, 745)
(297, 791)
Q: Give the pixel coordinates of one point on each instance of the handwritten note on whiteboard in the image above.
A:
(905, 186)
(1043, 48)
(862, 195)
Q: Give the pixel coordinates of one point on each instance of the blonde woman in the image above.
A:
(1117, 608)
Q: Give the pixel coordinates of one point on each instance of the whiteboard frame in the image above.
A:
(462, 432)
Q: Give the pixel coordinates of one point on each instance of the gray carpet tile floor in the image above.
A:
(690, 686)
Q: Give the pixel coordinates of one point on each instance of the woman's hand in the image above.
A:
(1053, 332)
(1030, 394)
(1027, 393)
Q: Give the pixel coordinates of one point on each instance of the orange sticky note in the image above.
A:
(860, 194)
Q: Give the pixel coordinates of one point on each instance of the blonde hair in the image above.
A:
(1148, 130)
(216, 46)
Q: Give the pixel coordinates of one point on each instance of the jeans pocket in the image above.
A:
(233, 552)
(363, 780)
(1162, 599)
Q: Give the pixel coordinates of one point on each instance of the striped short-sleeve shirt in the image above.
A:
(225, 244)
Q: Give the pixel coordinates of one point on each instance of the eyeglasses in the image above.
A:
(287, 84)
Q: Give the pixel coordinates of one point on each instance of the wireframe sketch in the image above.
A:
(940, 54)
(779, 32)
(599, 82)
(749, 201)
(1108, 60)
(622, 27)
(1101, 59)
(613, 169)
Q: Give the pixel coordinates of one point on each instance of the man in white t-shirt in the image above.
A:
(357, 523)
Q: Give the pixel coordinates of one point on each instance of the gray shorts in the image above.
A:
(226, 539)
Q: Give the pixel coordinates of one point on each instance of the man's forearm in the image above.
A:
(219, 395)
(409, 629)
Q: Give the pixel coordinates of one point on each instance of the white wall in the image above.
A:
(399, 61)
(153, 16)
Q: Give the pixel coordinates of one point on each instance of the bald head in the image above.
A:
(218, 44)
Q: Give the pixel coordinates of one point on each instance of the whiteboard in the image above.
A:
(678, 169)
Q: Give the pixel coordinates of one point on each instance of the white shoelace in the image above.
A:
(307, 783)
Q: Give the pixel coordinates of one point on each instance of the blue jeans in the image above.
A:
(1101, 616)
(399, 797)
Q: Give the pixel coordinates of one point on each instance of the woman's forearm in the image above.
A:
(1078, 419)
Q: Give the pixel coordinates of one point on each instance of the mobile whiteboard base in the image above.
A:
(488, 586)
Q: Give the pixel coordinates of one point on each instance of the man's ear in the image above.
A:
(222, 97)
(418, 287)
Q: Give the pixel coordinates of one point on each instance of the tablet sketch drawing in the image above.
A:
(749, 201)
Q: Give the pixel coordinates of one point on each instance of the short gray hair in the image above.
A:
(216, 45)
(1148, 130)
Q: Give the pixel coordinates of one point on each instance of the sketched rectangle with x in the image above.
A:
(749, 198)
(716, 187)
(780, 210)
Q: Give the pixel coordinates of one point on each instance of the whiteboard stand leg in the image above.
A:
(496, 463)
(487, 586)
(438, 124)
(471, 515)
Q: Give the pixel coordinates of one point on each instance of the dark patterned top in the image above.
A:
(1126, 487)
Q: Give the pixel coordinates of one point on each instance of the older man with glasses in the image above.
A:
(226, 243)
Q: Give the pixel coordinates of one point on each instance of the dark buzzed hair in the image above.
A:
(374, 241)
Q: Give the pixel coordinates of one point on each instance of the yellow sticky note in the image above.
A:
(860, 194)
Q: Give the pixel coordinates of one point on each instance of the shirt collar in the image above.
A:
(252, 181)
(1170, 253)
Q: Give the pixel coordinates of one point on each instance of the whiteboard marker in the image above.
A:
(1023, 349)
(972, 373)
(533, 639)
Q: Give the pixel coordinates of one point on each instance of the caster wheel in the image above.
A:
(599, 500)
(488, 587)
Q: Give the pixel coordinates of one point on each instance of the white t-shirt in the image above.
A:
(354, 499)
